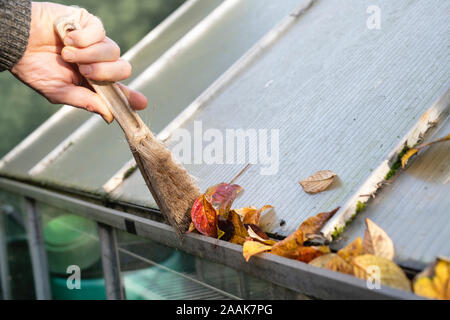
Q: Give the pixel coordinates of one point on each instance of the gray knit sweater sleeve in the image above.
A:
(15, 17)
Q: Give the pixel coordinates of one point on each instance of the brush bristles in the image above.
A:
(171, 185)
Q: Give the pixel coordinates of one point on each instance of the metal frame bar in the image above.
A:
(291, 274)
(37, 250)
(110, 262)
(4, 267)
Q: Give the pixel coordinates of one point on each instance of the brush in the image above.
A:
(168, 181)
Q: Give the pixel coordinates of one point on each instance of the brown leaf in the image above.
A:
(313, 224)
(253, 247)
(226, 229)
(289, 247)
(240, 232)
(377, 242)
(434, 281)
(318, 182)
(257, 234)
(352, 250)
(390, 274)
(332, 262)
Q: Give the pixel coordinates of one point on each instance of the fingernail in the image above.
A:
(85, 70)
(68, 41)
(68, 55)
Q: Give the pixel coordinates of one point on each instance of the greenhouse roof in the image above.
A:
(344, 97)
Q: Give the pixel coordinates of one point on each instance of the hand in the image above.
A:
(49, 65)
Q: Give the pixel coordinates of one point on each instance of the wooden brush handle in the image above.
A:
(110, 92)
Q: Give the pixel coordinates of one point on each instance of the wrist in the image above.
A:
(15, 16)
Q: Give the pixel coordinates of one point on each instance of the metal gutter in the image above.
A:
(291, 274)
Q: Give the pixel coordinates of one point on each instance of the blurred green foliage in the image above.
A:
(22, 109)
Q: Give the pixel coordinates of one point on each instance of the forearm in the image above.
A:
(15, 17)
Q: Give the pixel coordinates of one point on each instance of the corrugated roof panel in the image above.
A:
(170, 31)
(414, 209)
(41, 141)
(171, 84)
(341, 96)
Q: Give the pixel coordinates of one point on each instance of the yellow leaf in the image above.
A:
(377, 242)
(434, 281)
(254, 236)
(240, 233)
(318, 182)
(390, 274)
(289, 247)
(352, 250)
(332, 262)
(254, 247)
(407, 156)
(413, 151)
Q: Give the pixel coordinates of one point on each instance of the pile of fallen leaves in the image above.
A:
(212, 216)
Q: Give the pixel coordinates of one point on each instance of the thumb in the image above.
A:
(84, 98)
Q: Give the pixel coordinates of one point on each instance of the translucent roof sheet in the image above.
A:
(181, 75)
(342, 96)
(414, 209)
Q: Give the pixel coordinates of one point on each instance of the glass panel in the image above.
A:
(200, 62)
(154, 271)
(414, 208)
(341, 97)
(20, 278)
(71, 240)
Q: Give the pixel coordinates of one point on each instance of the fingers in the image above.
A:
(105, 51)
(106, 71)
(92, 32)
(86, 99)
(137, 100)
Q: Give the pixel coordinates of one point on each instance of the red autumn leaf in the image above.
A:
(204, 217)
(221, 197)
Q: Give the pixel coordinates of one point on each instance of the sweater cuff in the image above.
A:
(15, 17)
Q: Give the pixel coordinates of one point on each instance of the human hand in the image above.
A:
(49, 65)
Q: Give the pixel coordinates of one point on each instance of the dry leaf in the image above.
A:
(289, 246)
(313, 225)
(251, 215)
(318, 182)
(307, 254)
(221, 197)
(377, 242)
(413, 151)
(191, 228)
(225, 229)
(240, 232)
(204, 217)
(254, 247)
(332, 262)
(390, 274)
(352, 250)
(407, 156)
(434, 282)
(256, 235)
